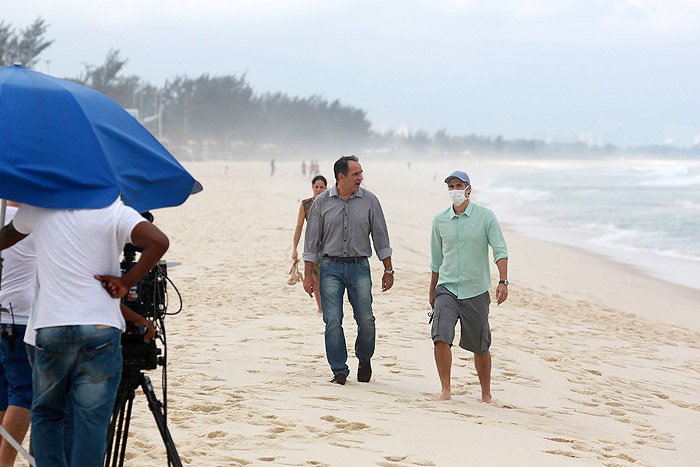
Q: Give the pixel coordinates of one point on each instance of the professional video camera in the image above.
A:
(149, 299)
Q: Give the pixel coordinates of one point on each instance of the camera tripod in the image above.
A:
(118, 431)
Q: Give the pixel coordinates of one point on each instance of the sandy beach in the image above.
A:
(594, 363)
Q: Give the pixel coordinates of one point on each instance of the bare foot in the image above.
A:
(445, 395)
(486, 398)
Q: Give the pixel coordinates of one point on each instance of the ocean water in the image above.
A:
(641, 212)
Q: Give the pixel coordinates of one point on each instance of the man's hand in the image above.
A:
(387, 281)
(309, 278)
(150, 333)
(295, 255)
(434, 276)
(138, 320)
(501, 293)
(115, 286)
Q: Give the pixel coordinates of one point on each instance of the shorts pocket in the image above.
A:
(485, 341)
(434, 318)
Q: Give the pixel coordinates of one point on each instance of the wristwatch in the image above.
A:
(505, 282)
(389, 271)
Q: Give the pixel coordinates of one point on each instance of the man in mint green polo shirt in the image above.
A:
(460, 281)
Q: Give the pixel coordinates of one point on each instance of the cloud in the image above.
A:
(138, 11)
(661, 16)
(612, 68)
(509, 17)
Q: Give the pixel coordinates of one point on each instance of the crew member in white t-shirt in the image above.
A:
(77, 357)
(17, 299)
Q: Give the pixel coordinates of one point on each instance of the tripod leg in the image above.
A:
(115, 424)
(123, 403)
(157, 410)
(125, 435)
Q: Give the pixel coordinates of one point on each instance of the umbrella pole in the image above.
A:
(18, 447)
(3, 208)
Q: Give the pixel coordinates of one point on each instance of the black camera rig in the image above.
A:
(149, 299)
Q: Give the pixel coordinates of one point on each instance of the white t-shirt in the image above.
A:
(18, 277)
(72, 246)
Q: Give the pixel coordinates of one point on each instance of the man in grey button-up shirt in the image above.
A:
(340, 223)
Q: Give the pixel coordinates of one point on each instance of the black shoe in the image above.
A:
(364, 372)
(339, 378)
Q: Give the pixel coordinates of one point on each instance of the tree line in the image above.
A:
(23, 46)
(223, 116)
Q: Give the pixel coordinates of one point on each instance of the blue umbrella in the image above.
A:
(66, 146)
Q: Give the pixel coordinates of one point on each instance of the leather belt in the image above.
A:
(345, 259)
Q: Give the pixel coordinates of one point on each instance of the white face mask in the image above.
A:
(458, 197)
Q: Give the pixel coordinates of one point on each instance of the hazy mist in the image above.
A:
(620, 72)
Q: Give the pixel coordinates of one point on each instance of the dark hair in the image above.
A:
(317, 178)
(341, 165)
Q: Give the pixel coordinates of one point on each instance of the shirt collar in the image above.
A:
(334, 192)
(467, 212)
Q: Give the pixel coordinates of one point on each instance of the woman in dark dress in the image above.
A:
(318, 184)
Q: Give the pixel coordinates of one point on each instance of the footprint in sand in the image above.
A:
(206, 408)
(559, 452)
(394, 461)
(344, 424)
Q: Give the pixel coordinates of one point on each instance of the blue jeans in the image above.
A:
(76, 367)
(67, 421)
(15, 372)
(335, 278)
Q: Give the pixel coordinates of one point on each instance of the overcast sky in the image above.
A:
(618, 71)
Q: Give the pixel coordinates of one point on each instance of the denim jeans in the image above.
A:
(78, 368)
(15, 371)
(335, 278)
(67, 421)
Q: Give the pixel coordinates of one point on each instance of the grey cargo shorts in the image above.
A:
(473, 316)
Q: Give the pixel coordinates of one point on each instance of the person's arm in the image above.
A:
(500, 257)
(297, 232)
(138, 320)
(387, 278)
(380, 238)
(9, 236)
(312, 241)
(153, 244)
(434, 276)
(308, 278)
(435, 261)
(502, 289)
(379, 230)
